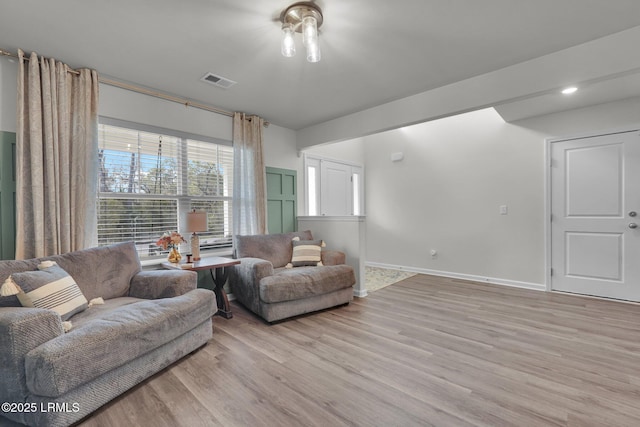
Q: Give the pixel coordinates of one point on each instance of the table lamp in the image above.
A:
(196, 222)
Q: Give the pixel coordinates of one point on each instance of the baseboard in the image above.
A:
(492, 280)
(360, 293)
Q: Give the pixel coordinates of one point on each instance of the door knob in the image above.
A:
(633, 225)
(633, 213)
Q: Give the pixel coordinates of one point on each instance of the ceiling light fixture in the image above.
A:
(306, 18)
(569, 90)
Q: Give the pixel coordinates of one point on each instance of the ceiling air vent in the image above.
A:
(219, 81)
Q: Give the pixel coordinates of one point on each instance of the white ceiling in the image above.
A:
(373, 51)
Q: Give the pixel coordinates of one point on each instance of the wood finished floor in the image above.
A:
(425, 351)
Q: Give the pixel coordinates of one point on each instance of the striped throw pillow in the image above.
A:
(51, 287)
(306, 252)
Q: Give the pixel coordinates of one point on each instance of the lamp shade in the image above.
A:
(196, 222)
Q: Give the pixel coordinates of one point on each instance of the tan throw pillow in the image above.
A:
(306, 253)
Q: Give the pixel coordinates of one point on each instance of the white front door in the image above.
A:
(336, 189)
(595, 221)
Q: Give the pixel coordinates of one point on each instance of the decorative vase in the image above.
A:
(174, 255)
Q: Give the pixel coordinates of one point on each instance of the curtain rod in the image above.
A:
(150, 92)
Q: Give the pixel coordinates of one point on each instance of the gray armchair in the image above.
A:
(149, 320)
(263, 284)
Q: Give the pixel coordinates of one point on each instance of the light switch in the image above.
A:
(504, 209)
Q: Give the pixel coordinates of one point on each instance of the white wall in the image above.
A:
(456, 172)
(612, 116)
(351, 151)
(280, 148)
(131, 106)
(445, 195)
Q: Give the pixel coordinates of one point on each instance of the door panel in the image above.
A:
(275, 221)
(585, 255)
(595, 190)
(281, 200)
(594, 180)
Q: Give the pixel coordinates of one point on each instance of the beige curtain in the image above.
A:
(249, 187)
(56, 154)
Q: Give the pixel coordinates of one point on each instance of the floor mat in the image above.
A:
(378, 278)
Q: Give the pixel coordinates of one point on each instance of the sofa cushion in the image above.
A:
(275, 248)
(50, 287)
(98, 311)
(110, 274)
(304, 282)
(116, 338)
(306, 253)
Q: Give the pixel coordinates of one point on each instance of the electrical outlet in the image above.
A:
(434, 254)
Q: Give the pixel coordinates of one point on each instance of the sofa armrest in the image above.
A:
(244, 280)
(154, 284)
(333, 257)
(254, 269)
(21, 330)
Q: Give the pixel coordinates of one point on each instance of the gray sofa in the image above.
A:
(263, 284)
(149, 320)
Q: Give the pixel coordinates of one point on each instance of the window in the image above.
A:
(355, 185)
(149, 180)
(312, 174)
(312, 188)
(333, 188)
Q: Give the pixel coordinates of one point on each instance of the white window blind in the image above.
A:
(210, 188)
(148, 181)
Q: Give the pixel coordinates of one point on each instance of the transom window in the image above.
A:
(149, 180)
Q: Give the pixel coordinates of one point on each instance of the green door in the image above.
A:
(7, 195)
(281, 200)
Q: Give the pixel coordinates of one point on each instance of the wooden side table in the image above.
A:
(219, 273)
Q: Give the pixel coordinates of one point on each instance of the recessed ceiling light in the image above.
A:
(569, 90)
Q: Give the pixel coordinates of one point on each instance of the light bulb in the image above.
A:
(288, 48)
(309, 31)
(313, 52)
